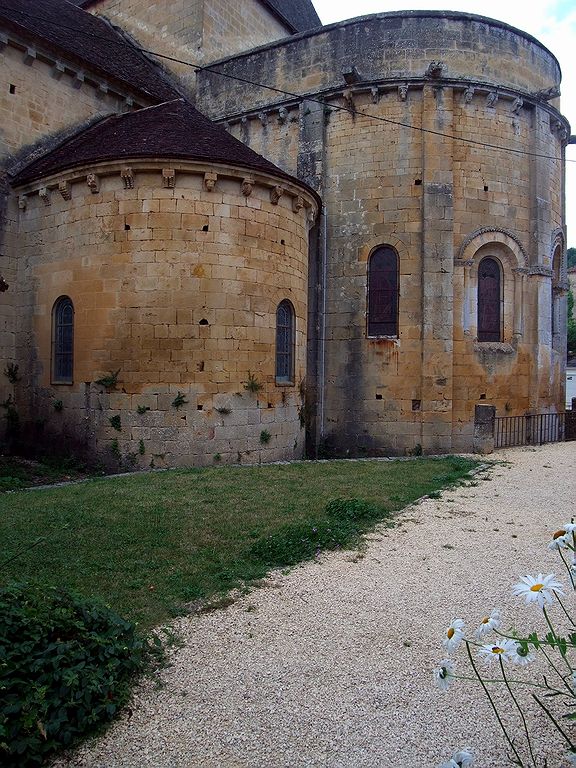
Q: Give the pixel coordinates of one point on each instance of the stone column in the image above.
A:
(437, 269)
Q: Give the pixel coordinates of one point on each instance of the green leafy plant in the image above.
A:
(116, 422)
(179, 401)
(252, 384)
(217, 457)
(223, 411)
(11, 373)
(141, 448)
(58, 405)
(141, 409)
(67, 665)
(109, 381)
(115, 449)
(265, 437)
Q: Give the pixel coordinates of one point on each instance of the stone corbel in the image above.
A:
(282, 115)
(210, 179)
(65, 190)
(93, 182)
(275, 194)
(29, 56)
(226, 125)
(402, 92)
(263, 117)
(22, 202)
(102, 91)
(375, 93)
(327, 114)
(492, 99)
(297, 204)
(58, 70)
(468, 95)
(168, 178)
(127, 176)
(78, 81)
(517, 105)
(247, 186)
(129, 102)
(44, 194)
(539, 270)
(310, 215)
(348, 97)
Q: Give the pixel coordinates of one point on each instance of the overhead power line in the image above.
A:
(297, 96)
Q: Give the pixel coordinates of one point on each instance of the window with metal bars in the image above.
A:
(383, 292)
(63, 341)
(489, 300)
(285, 343)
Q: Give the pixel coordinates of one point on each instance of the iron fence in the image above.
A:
(530, 429)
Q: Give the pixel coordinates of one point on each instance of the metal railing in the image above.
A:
(530, 429)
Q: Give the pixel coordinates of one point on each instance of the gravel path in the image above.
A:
(330, 664)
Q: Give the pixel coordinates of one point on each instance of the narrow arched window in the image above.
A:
(383, 290)
(63, 341)
(489, 300)
(285, 343)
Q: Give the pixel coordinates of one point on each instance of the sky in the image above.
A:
(553, 22)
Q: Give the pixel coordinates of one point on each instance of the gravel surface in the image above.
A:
(330, 664)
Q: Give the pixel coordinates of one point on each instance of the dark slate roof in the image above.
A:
(300, 15)
(174, 130)
(88, 39)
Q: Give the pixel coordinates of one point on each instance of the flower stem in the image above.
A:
(515, 682)
(487, 692)
(519, 708)
(568, 569)
(555, 722)
(570, 619)
(555, 637)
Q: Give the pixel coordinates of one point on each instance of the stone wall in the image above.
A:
(399, 132)
(195, 31)
(175, 275)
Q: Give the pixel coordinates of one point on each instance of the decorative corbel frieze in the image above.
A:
(58, 70)
(44, 194)
(22, 202)
(468, 95)
(168, 178)
(93, 182)
(127, 176)
(275, 194)
(547, 93)
(402, 92)
(282, 115)
(537, 269)
(65, 190)
(247, 186)
(517, 105)
(29, 56)
(78, 81)
(297, 204)
(434, 70)
(375, 93)
(492, 99)
(558, 127)
(210, 179)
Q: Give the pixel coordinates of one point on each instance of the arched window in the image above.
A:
(285, 343)
(63, 341)
(383, 290)
(489, 300)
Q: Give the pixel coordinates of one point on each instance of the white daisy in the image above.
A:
(503, 649)
(538, 590)
(443, 674)
(563, 537)
(450, 764)
(454, 635)
(488, 623)
(464, 758)
(521, 656)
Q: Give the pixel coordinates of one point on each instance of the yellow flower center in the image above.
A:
(497, 649)
(536, 587)
(558, 534)
(450, 633)
(485, 620)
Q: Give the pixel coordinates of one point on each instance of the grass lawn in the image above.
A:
(146, 544)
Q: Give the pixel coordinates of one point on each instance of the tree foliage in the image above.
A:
(571, 253)
(571, 335)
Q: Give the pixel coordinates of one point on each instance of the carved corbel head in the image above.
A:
(44, 194)
(127, 176)
(492, 99)
(168, 178)
(434, 70)
(247, 186)
(297, 204)
(468, 94)
(22, 202)
(403, 92)
(65, 190)
(282, 115)
(210, 179)
(93, 182)
(275, 194)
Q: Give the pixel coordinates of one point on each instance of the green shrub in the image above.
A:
(66, 664)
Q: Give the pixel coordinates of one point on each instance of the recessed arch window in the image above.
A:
(285, 338)
(383, 292)
(489, 300)
(63, 341)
